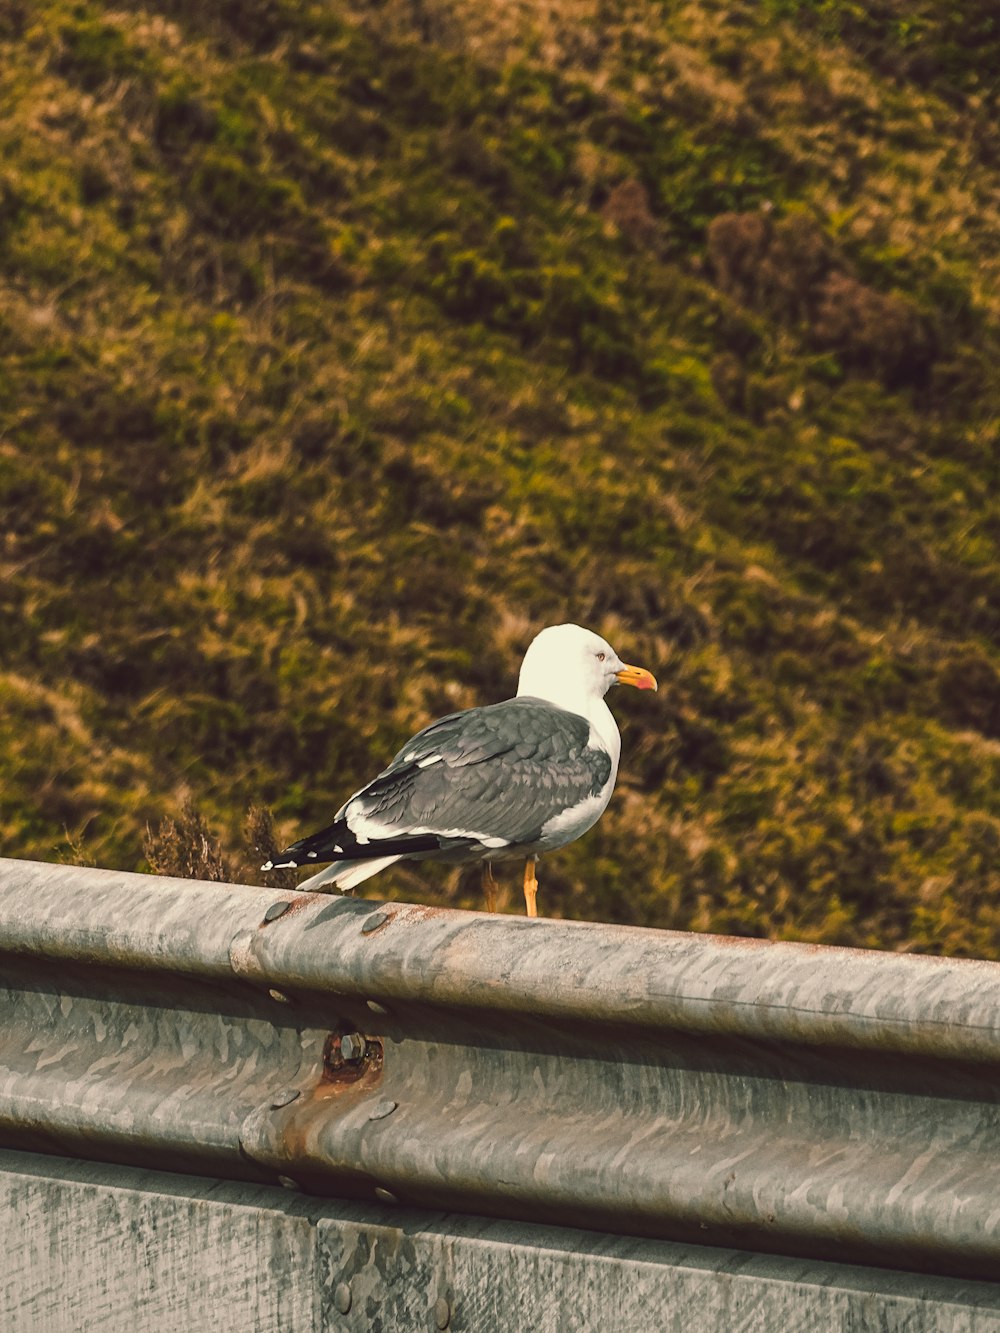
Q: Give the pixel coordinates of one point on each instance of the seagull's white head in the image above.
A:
(573, 667)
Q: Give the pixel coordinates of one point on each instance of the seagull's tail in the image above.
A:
(344, 876)
(351, 861)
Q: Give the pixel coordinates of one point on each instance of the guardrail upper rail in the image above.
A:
(781, 1097)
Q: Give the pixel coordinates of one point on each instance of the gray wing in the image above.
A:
(501, 771)
(498, 774)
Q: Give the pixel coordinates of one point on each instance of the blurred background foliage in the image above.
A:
(343, 347)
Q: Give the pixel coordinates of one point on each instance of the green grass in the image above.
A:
(341, 352)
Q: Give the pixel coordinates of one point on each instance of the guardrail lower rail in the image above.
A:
(815, 1102)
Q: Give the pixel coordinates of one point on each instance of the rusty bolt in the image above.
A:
(385, 1107)
(276, 910)
(352, 1047)
(373, 922)
(442, 1314)
(342, 1297)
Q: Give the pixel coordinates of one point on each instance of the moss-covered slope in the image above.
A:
(340, 350)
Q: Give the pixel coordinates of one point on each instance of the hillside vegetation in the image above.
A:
(343, 348)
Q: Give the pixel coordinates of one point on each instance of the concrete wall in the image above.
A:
(91, 1246)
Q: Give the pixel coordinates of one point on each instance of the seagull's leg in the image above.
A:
(489, 887)
(530, 885)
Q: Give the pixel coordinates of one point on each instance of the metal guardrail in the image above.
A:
(826, 1103)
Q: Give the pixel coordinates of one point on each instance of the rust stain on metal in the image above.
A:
(303, 1121)
(427, 912)
(327, 1091)
(742, 942)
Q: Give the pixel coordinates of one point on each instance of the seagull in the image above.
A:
(501, 782)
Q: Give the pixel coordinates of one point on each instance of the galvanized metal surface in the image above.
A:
(774, 1097)
(96, 1247)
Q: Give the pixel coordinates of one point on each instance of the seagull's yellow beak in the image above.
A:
(637, 676)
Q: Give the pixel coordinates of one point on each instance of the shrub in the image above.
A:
(92, 54)
(181, 119)
(236, 199)
(627, 210)
(775, 266)
(885, 335)
(737, 245)
(185, 847)
(969, 690)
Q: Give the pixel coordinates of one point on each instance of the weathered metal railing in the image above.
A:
(831, 1103)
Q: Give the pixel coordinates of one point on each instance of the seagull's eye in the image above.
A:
(600, 657)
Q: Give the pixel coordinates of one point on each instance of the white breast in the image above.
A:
(574, 822)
